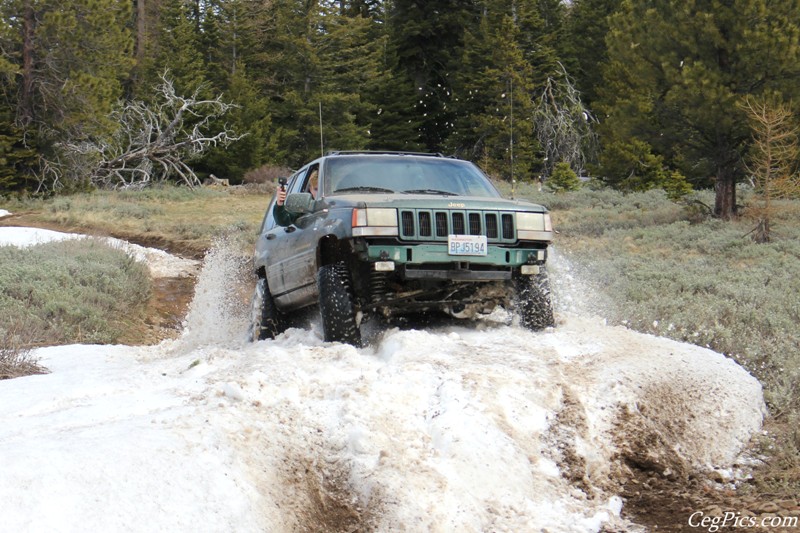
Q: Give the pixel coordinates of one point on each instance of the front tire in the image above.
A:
(534, 303)
(267, 322)
(337, 305)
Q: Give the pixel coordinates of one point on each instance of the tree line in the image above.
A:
(637, 94)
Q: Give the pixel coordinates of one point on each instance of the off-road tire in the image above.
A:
(534, 304)
(337, 305)
(267, 322)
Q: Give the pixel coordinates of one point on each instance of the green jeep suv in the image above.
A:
(392, 233)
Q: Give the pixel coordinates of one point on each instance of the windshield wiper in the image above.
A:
(430, 191)
(364, 188)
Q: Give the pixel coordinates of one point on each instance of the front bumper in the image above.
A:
(418, 254)
(433, 262)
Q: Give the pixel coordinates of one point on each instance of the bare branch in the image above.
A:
(563, 125)
(152, 142)
(773, 160)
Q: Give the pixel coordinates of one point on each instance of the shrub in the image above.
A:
(563, 179)
(15, 357)
(267, 174)
(71, 291)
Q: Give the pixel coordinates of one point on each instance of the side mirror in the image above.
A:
(299, 202)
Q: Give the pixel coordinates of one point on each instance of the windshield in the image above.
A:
(405, 174)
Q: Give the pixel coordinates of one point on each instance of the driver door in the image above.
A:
(298, 260)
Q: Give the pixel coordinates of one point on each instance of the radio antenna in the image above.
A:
(511, 137)
(321, 142)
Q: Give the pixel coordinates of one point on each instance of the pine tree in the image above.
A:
(317, 64)
(17, 157)
(773, 160)
(72, 57)
(492, 99)
(177, 50)
(350, 51)
(587, 26)
(563, 178)
(677, 70)
(70, 61)
(250, 119)
(542, 36)
(425, 43)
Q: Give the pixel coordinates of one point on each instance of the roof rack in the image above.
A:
(383, 152)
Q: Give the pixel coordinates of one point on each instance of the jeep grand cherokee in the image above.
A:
(397, 233)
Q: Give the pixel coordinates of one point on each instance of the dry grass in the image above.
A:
(16, 359)
(180, 220)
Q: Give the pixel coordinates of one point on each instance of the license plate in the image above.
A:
(466, 244)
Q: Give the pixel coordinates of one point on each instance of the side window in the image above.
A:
(269, 220)
(297, 181)
(292, 184)
(311, 180)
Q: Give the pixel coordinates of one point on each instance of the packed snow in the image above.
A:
(462, 426)
(160, 263)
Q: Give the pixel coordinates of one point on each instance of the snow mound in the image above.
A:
(488, 428)
(160, 263)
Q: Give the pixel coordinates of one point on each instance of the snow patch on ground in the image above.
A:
(160, 263)
(469, 427)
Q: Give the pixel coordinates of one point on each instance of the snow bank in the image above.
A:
(160, 263)
(468, 427)
(4, 213)
(22, 237)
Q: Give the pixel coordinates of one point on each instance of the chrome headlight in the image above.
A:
(381, 221)
(534, 226)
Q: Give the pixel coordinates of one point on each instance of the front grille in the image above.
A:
(491, 226)
(436, 225)
(508, 226)
(441, 224)
(475, 224)
(425, 224)
(458, 224)
(407, 222)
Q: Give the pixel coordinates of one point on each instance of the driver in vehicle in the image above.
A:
(284, 217)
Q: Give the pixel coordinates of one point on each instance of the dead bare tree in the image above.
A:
(563, 125)
(154, 142)
(773, 161)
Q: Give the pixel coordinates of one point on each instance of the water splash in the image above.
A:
(572, 291)
(218, 313)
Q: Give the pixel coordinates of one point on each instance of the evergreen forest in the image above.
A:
(636, 94)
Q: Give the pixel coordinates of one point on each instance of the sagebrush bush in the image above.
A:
(267, 174)
(15, 355)
(71, 291)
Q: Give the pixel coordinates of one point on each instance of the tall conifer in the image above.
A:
(677, 71)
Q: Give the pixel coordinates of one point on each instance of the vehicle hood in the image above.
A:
(427, 201)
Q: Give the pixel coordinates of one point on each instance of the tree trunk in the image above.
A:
(141, 30)
(725, 191)
(26, 98)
